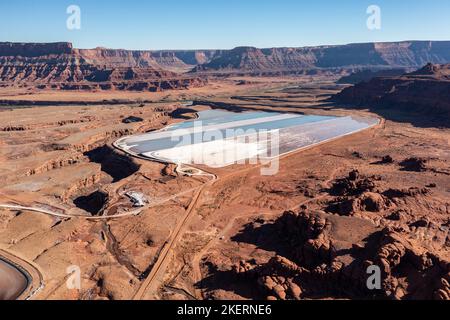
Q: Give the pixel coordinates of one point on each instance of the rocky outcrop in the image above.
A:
(13, 49)
(432, 71)
(352, 195)
(367, 75)
(331, 257)
(426, 90)
(59, 66)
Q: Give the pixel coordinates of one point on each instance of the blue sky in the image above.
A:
(204, 24)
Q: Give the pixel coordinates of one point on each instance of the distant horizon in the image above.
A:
(220, 24)
(217, 49)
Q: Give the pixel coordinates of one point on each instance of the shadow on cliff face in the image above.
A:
(264, 236)
(404, 114)
(92, 203)
(416, 118)
(229, 281)
(116, 165)
(183, 113)
(239, 108)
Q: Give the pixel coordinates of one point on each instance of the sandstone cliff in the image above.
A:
(426, 90)
(368, 55)
(12, 49)
(59, 66)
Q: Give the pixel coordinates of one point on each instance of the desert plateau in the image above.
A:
(253, 173)
(68, 193)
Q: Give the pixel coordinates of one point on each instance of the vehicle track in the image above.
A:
(159, 267)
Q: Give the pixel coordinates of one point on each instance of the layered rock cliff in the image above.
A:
(59, 66)
(427, 90)
(367, 55)
(13, 49)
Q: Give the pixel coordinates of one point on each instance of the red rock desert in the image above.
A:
(310, 172)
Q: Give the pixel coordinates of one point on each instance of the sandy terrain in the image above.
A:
(221, 236)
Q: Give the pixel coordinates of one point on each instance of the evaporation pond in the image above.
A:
(246, 134)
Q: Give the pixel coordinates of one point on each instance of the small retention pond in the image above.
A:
(12, 281)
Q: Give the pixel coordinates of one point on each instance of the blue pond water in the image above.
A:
(296, 131)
